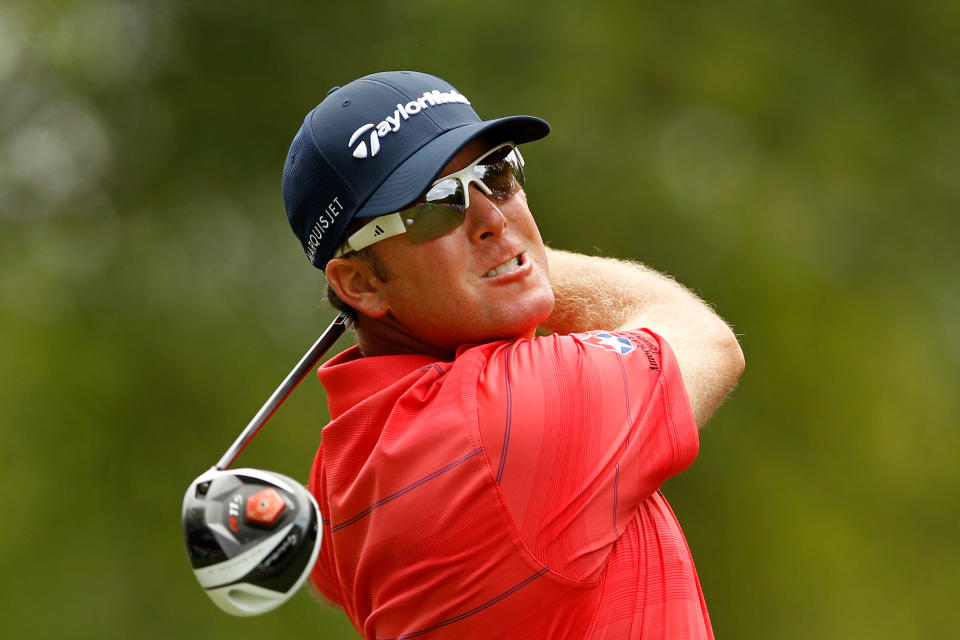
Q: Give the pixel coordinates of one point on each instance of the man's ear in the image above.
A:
(357, 285)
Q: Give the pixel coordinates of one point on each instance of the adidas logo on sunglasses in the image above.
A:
(392, 122)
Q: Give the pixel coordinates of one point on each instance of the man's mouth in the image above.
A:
(509, 265)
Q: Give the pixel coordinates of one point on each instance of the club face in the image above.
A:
(252, 537)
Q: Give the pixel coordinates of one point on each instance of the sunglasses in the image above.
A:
(497, 173)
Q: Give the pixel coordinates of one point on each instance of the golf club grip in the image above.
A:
(309, 360)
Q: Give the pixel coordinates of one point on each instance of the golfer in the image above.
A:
(502, 428)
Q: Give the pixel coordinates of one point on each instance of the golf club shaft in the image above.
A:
(310, 359)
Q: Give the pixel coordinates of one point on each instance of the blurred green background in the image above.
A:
(794, 162)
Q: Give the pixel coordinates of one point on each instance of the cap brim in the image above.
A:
(406, 184)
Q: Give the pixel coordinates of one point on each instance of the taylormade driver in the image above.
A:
(253, 536)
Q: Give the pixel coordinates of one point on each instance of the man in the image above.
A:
(476, 480)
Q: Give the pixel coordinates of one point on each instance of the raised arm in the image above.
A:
(602, 293)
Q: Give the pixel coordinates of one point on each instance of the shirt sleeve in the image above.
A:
(579, 430)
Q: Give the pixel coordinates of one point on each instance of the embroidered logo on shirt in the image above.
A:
(610, 342)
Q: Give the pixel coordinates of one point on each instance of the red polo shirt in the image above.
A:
(511, 493)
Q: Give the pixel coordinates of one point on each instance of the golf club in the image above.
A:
(253, 536)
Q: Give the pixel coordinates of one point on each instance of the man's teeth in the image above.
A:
(509, 265)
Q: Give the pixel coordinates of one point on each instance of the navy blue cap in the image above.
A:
(373, 147)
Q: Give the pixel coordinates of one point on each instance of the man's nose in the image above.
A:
(483, 215)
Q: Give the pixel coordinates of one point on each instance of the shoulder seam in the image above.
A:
(500, 504)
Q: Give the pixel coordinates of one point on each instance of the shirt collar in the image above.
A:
(349, 377)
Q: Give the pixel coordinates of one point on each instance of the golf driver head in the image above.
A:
(252, 537)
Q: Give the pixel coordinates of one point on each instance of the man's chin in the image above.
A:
(524, 324)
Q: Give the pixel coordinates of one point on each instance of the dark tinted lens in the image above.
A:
(448, 192)
(441, 213)
(502, 173)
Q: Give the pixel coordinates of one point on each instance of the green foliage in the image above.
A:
(793, 162)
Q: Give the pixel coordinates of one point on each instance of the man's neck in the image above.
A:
(383, 337)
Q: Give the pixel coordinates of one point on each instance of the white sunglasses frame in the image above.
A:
(391, 224)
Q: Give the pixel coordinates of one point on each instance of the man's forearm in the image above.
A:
(603, 293)
(593, 292)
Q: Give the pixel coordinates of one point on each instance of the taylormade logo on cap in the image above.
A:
(392, 123)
